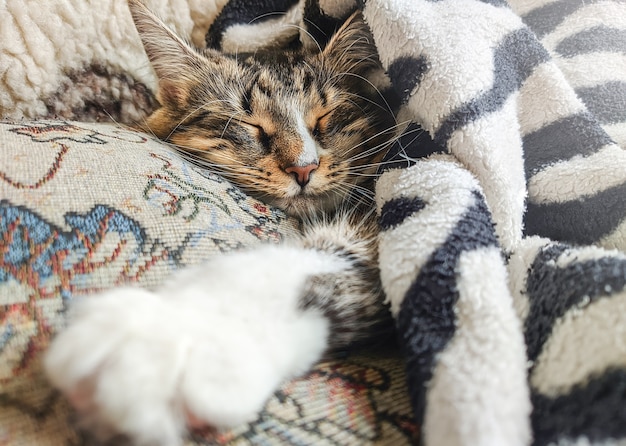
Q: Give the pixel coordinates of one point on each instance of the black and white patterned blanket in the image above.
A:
(503, 220)
(504, 223)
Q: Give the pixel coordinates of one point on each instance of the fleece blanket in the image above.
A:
(502, 207)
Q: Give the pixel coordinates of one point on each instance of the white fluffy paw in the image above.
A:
(207, 348)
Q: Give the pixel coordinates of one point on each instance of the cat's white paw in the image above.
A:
(209, 347)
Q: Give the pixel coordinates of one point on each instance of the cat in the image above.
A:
(302, 130)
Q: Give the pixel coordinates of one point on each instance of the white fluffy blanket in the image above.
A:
(503, 224)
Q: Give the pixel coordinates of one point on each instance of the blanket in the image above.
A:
(526, 102)
(502, 209)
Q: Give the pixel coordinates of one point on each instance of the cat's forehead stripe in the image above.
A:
(309, 153)
(264, 88)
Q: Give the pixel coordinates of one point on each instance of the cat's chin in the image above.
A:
(308, 206)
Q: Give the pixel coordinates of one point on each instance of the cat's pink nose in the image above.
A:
(302, 174)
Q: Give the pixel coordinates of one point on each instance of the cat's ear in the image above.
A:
(175, 61)
(351, 49)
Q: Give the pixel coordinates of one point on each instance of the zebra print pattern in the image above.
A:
(587, 42)
(495, 97)
(501, 223)
(458, 333)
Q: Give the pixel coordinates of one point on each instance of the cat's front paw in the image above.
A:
(208, 349)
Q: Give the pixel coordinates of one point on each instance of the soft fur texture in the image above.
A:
(177, 358)
(528, 97)
(206, 349)
(262, 118)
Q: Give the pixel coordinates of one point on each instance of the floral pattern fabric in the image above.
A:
(85, 207)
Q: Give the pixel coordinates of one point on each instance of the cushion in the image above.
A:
(85, 207)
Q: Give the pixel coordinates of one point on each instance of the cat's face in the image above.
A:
(298, 130)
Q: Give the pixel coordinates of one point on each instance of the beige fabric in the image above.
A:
(84, 207)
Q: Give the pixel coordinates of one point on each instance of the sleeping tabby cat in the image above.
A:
(303, 130)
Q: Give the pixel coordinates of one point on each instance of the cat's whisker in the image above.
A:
(405, 155)
(366, 99)
(227, 170)
(114, 121)
(185, 151)
(310, 68)
(370, 212)
(180, 150)
(372, 150)
(367, 81)
(369, 152)
(196, 152)
(356, 63)
(267, 14)
(236, 170)
(349, 189)
(230, 171)
(364, 192)
(396, 136)
(216, 166)
(147, 129)
(356, 169)
(228, 123)
(359, 106)
(185, 118)
(193, 155)
(300, 28)
(217, 101)
(365, 175)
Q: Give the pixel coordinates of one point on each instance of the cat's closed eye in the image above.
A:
(301, 130)
(319, 125)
